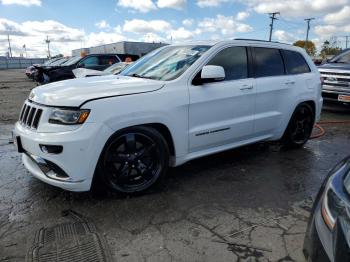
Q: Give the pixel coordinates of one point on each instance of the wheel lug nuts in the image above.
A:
(126, 163)
(132, 166)
(139, 161)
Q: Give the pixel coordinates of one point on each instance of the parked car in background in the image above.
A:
(328, 236)
(31, 69)
(177, 103)
(112, 70)
(336, 78)
(92, 61)
(37, 69)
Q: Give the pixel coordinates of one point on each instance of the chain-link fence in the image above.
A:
(19, 63)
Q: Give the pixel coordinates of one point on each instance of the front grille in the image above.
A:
(335, 73)
(336, 81)
(30, 116)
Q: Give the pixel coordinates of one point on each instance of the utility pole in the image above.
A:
(8, 39)
(346, 40)
(307, 31)
(48, 45)
(25, 50)
(273, 18)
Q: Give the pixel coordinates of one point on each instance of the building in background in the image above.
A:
(124, 47)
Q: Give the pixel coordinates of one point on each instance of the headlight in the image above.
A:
(332, 204)
(68, 116)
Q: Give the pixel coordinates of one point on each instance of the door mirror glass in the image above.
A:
(211, 73)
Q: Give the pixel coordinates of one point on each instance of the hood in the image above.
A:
(336, 66)
(83, 72)
(73, 93)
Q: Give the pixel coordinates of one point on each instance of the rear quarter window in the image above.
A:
(295, 63)
(268, 62)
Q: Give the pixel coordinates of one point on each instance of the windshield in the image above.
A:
(166, 63)
(116, 68)
(59, 62)
(342, 58)
(47, 62)
(72, 61)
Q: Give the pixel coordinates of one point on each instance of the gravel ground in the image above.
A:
(14, 89)
(247, 204)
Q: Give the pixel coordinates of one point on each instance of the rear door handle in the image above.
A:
(290, 83)
(246, 87)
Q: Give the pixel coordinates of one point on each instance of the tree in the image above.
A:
(310, 46)
(328, 50)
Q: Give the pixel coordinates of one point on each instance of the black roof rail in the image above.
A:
(259, 40)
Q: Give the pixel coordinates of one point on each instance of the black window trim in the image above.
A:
(254, 66)
(285, 66)
(249, 63)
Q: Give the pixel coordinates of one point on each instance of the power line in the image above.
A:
(273, 18)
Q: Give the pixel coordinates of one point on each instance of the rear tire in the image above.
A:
(300, 127)
(133, 160)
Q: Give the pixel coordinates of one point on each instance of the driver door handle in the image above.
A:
(246, 87)
(290, 82)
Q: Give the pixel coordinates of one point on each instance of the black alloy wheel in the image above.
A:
(134, 160)
(300, 126)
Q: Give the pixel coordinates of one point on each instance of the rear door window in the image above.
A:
(268, 62)
(295, 63)
(108, 60)
(234, 62)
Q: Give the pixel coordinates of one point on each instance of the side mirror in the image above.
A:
(81, 65)
(212, 73)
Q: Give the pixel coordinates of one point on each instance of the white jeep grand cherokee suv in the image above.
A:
(177, 103)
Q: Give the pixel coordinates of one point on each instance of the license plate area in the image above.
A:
(344, 98)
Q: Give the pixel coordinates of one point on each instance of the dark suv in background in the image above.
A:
(336, 78)
(92, 61)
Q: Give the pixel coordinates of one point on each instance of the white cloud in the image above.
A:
(143, 26)
(326, 30)
(343, 16)
(210, 3)
(188, 22)
(283, 36)
(227, 25)
(181, 34)
(21, 2)
(242, 16)
(11, 27)
(102, 25)
(142, 6)
(153, 38)
(175, 4)
(296, 8)
(94, 39)
(63, 38)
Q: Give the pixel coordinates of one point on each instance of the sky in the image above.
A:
(72, 24)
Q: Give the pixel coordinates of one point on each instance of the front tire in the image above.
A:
(133, 160)
(299, 127)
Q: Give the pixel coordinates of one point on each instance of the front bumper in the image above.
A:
(322, 243)
(81, 150)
